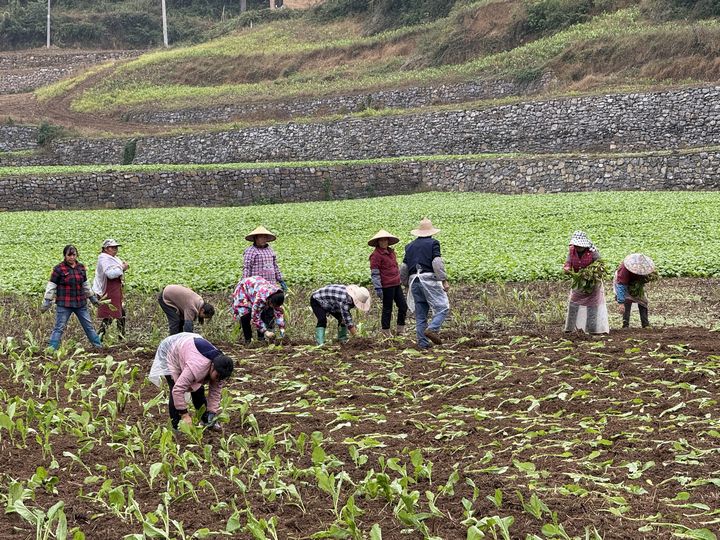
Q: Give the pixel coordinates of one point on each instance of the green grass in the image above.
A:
(484, 237)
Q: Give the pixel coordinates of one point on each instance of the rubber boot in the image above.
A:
(644, 319)
(342, 334)
(104, 325)
(386, 333)
(121, 327)
(401, 330)
(319, 335)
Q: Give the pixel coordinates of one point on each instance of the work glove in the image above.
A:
(46, 305)
(270, 335)
(283, 285)
(379, 292)
(94, 300)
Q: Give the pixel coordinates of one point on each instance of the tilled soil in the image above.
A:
(616, 434)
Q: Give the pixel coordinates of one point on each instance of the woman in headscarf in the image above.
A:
(187, 361)
(630, 278)
(586, 306)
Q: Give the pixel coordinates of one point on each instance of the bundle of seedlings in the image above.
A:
(637, 286)
(588, 278)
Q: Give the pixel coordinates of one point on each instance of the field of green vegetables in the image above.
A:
(484, 237)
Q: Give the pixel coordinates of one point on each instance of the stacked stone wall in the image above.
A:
(14, 138)
(694, 171)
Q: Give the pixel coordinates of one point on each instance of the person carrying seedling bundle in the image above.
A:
(385, 275)
(260, 260)
(630, 278)
(258, 301)
(423, 273)
(187, 362)
(338, 300)
(69, 287)
(182, 306)
(587, 310)
(108, 285)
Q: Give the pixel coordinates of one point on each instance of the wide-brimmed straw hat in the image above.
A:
(425, 229)
(382, 233)
(360, 296)
(260, 230)
(580, 239)
(639, 264)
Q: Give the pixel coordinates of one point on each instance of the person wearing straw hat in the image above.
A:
(385, 275)
(338, 300)
(587, 310)
(423, 273)
(258, 301)
(108, 285)
(630, 278)
(260, 259)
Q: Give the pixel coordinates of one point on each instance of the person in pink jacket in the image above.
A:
(187, 361)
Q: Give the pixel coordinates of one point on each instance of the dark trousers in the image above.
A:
(105, 324)
(198, 399)
(247, 329)
(644, 320)
(390, 295)
(321, 314)
(175, 323)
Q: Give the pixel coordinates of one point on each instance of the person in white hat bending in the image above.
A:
(587, 310)
(260, 259)
(108, 285)
(423, 273)
(385, 275)
(338, 300)
(630, 278)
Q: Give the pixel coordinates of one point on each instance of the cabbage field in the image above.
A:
(484, 237)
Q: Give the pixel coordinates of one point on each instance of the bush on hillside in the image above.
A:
(548, 16)
(681, 9)
(331, 10)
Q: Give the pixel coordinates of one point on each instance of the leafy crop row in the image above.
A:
(484, 237)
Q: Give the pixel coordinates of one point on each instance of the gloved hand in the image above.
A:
(94, 300)
(211, 419)
(270, 335)
(283, 285)
(46, 305)
(379, 292)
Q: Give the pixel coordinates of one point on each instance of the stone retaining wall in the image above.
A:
(14, 138)
(659, 120)
(697, 171)
(401, 98)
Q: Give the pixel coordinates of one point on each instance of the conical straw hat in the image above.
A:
(382, 233)
(425, 229)
(260, 230)
(639, 264)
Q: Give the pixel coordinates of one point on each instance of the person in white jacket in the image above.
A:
(108, 285)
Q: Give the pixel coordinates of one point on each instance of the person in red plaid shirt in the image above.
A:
(69, 287)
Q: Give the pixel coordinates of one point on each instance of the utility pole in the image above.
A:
(48, 26)
(243, 6)
(164, 19)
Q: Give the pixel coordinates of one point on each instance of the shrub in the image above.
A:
(129, 152)
(48, 133)
(548, 16)
(338, 9)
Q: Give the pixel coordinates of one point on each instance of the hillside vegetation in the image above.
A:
(346, 46)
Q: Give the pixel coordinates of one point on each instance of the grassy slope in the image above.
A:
(484, 237)
(287, 59)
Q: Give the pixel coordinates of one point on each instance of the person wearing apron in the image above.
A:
(108, 285)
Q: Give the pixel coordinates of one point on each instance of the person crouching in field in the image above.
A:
(187, 362)
(183, 306)
(338, 300)
(69, 287)
(260, 260)
(630, 278)
(587, 310)
(385, 275)
(423, 273)
(258, 301)
(108, 285)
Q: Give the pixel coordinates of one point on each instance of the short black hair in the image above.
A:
(69, 249)
(208, 310)
(224, 365)
(277, 298)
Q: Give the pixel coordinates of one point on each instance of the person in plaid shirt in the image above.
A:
(338, 300)
(260, 260)
(258, 301)
(69, 287)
